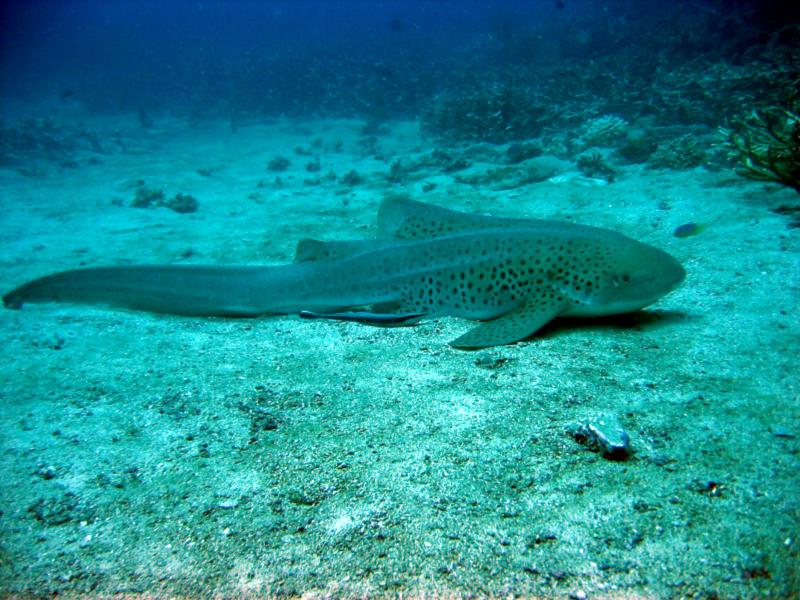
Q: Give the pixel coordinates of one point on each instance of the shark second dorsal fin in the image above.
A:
(316, 250)
(401, 218)
(513, 326)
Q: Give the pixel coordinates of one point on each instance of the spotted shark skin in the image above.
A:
(512, 275)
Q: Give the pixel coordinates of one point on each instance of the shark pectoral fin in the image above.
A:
(513, 326)
(368, 318)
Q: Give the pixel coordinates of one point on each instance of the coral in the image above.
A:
(155, 198)
(148, 198)
(279, 163)
(766, 145)
(593, 165)
(603, 131)
(352, 178)
(181, 203)
(682, 152)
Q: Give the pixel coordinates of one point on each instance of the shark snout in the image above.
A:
(655, 276)
(670, 272)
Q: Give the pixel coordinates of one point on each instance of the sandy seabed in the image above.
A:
(148, 455)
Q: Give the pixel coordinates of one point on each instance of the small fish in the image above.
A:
(688, 230)
(512, 275)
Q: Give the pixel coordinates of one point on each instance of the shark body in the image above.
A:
(513, 275)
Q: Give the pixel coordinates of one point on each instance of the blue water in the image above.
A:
(383, 58)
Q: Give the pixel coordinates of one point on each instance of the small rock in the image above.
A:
(545, 537)
(714, 489)
(47, 472)
(490, 362)
(604, 435)
(782, 432)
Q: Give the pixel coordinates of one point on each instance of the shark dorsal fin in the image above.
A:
(310, 250)
(401, 218)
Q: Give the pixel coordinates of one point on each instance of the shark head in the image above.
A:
(637, 276)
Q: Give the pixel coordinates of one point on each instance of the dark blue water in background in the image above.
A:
(356, 58)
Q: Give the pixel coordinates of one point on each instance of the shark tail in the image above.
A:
(192, 290)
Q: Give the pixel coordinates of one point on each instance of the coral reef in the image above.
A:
(494, 114)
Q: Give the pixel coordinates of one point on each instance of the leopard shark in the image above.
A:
(512, 275)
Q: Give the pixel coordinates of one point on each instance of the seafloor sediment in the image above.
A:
(148, 454)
